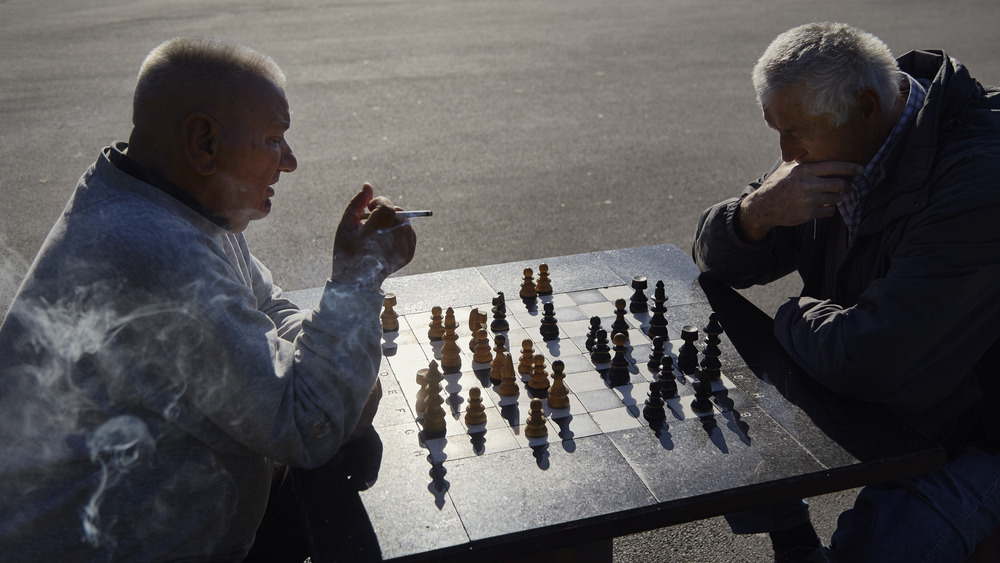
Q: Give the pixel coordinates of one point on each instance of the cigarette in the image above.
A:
(404, 214)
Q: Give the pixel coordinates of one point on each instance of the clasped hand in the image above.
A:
(793, 194)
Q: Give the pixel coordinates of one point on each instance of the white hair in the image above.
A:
(181, 67)
(834, 62)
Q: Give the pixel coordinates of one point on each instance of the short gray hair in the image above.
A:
(180, 66)
(834, 62)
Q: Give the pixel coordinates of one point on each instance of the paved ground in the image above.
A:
(531, 127)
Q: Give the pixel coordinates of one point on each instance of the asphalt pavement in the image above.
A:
(532, 128)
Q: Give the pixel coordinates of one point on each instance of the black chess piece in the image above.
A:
(653, 410)
(595, 325)
(702, 394)
(499, 323)
(687, 355)
(711, 366)
(655, 355)
(620, 325)
(601, 354)
(668, 382)
(619, 374)
(638, 302)
(549, 329)
(658, 322)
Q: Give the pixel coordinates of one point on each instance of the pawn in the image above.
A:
(653, 410)
(639, 302)
(526, 361)
(508, 380)
(419, 404)
(528, 290)
(549, 329)
(389, 317)
(475, 413)
(544, 286)
(620, 325)
(436, 330)
(601, 354)
(483, 353)
(497, 365)
(535, 426)
(539, 378)
(655, 355)
(668, 382)
(702, 395)
(558, 393)
(595, 325)
(619, 375)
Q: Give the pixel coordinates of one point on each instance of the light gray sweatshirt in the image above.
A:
(150, 372)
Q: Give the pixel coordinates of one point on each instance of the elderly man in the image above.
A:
(152, 373)
(885, 201)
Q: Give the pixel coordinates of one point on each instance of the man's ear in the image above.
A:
(868, 104)
(200, 134)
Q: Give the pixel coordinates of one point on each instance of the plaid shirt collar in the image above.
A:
(852, 201)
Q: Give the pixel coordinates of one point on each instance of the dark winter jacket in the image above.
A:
(909, 315)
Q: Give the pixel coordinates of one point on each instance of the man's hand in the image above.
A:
(368, 412)
(364, 254)
(793, 194)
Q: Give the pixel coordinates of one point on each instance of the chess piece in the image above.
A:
(436, 330)
(658, 322)
(528, 290)
(539, 378)
(639, 302)
(475, 412)
(544, 286)
(497, 365)
(419, 403)
(687, 354)
(668, 382)
(549, 329)
(558, 393)
(526, 361)
(653, 365)
(595, 325)
(499, 323)
(483, 354)
(434, 416)
(451, 354)
(477, 320)
(702, 395)
(535, 426)
(711, 366)
(601, 354)
(619, 374)
(653, 411)
(389, 317)
(508, 380)
(620, 325)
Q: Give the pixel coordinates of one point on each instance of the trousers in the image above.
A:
(934, 517)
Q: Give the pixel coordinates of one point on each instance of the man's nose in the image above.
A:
(288, 162)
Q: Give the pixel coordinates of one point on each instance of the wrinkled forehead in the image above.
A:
(256, 99)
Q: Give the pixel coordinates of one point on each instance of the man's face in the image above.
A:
(252, 154)
(805, 137)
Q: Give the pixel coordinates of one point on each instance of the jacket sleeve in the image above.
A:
(928, 320)
(722, 253)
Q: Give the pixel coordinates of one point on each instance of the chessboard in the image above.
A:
(615, 454)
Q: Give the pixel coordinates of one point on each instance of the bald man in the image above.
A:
(152, 372)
